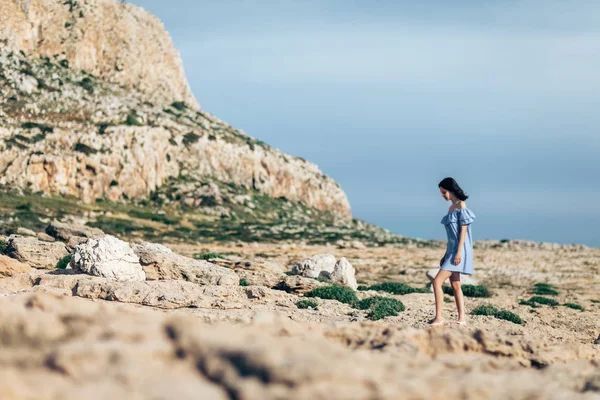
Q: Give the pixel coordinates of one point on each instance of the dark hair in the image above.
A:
(451, 185)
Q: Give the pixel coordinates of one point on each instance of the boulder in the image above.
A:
(44, 237)
(160, 263)
(25, 232)
(10, 267)
(108, 257)
(163, 294)
(38, 254)
(344, 274)
(312, 267)
(64, 231)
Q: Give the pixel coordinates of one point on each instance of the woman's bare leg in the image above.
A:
(439, 280)
(458, 295)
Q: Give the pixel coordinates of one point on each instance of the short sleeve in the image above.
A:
(466, 217)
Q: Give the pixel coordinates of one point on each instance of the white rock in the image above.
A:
(312, 267)
(25, 232)
(27, 84)
(146, 250)
(344, 274)
(108, 257)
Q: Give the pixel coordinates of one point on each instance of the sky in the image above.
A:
(390, 97)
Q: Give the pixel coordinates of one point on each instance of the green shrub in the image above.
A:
(365, 287)
(340, 293)
(469, 291)
(448, 300)
(380, 307)
(64, 262)
(87, 84)
(179, 105)
(396, 288)
(485, 310)
(544, 289)
(492, 311)
(206, 256)
(509, 316)
(133, 120)
(26, 206)
(244, 282)
(543, 300)
(595, 301)
(3, 246)
(190, 138)
(384, 307)
(574, 306)
(33, 125)
(83, 148)
(528, 303)
(304, 304)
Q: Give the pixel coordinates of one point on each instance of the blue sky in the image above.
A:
(389, 97)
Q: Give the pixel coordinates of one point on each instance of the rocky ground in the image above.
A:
(222, 321)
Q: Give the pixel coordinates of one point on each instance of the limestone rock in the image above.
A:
(298, 284)
(148, 62)
(64, 231)
(123, 143)
(44, 237)
(108, 257)
(344, 274)
(312, 267)
(74, 241)
(38, 254)
(25, 232)
(260, 273)
(160, 263)
(11, 267)
(162, 294)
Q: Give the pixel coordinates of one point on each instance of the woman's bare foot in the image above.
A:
(436, 322)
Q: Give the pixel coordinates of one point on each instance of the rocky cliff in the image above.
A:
(94, 104)
(116, 41)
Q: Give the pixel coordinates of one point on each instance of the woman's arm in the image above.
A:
(461, 242)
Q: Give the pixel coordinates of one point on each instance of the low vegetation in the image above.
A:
(485, 310)
(574, 306)
(380, 307)
(244, 282)
(340, 293)
(64, 262)
(509, 316)
(490, 310)
(544, 289)
(540, 300)
(469, 291)
(304, 304)
(394, 288)
(207, 256)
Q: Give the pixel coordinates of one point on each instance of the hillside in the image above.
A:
(129, 149)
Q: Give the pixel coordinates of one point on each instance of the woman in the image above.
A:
(459, 250)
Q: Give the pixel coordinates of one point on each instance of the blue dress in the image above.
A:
(452, 222)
